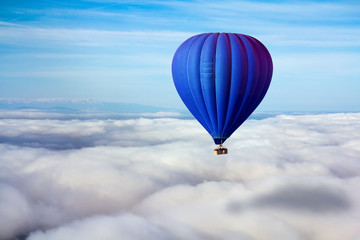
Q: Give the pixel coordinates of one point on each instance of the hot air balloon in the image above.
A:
(221, 78)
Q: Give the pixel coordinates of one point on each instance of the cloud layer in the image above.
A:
(286, 177)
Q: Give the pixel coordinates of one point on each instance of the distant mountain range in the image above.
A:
(87, 108)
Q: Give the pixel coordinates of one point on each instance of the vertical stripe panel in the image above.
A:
(207, 78)
(222, 78)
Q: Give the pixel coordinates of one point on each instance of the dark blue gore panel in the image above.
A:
(222, 78)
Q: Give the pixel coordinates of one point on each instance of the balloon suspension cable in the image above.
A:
(220, 150)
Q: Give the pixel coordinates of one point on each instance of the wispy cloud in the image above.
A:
(301, 24)
(32, 35)
(315, 38)
(280, 11)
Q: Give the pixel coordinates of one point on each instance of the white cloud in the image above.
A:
(124, 226)
(8, 24)
(14, 211)
(286, 177)
(28, 35)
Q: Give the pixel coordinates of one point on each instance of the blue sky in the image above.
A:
(121, 51)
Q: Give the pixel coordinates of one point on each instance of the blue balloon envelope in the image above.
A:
(222, 78)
